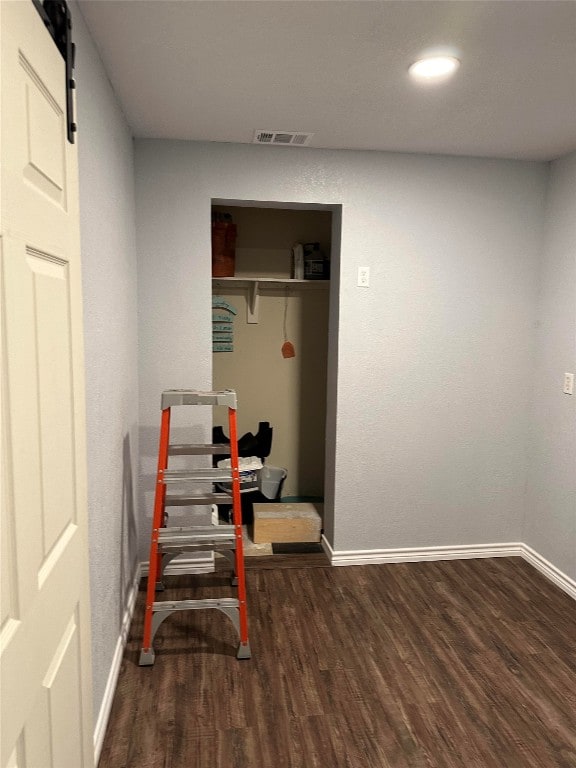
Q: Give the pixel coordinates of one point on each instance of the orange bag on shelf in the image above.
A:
(223, 248)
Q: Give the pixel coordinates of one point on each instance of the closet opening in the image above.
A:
(275, 277)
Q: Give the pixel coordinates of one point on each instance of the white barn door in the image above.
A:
(46, 701)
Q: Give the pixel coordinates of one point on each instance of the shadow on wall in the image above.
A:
(129, 527)
(313, 349)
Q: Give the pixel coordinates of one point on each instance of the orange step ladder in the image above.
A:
(168, 542)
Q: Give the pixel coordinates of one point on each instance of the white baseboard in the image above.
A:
(204, 564)
(552, 573)
(110, 690)
(420, 554)
(463, 552)
(329, 552)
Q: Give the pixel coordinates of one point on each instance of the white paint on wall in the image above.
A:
(106, 164)
(550, 526)
(434, 360)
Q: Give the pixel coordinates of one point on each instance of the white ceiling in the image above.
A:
(216, 70)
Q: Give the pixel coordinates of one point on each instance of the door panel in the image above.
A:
(45, 130)
(44, 636)
(50, 337)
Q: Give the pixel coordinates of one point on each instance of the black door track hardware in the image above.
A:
(56, 16)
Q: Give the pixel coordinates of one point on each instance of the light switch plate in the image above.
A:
(568, 383)
(363, 277)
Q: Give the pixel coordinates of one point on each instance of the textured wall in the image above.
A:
(106, 161)
(434, 360)
(551, 505)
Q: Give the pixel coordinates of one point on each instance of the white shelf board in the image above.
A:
(248, 282)
(255, 284)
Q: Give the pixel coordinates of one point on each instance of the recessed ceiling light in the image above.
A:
(433, 69)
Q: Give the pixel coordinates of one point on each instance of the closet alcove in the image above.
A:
(272, 307)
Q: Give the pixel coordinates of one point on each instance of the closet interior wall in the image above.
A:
(290, 393)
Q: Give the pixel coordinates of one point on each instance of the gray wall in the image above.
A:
(434, 360)
(106, 164)
(550, 526)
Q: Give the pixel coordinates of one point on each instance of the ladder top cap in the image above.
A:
(172, 397)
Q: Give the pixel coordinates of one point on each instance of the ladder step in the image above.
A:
(198, 499)
(223, 534)
(199, 449)
(199, 546)
(173, 397)
(188, 605)
(208, 475)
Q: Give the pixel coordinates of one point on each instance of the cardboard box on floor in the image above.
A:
(287, 523)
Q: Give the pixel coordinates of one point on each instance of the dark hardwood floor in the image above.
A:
(464, 664)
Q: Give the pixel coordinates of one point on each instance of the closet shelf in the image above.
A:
(256, 284)
(247, 282)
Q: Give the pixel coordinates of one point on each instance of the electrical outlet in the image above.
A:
(568, 383)
(363, 277)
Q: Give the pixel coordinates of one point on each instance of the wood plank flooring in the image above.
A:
(457, 664)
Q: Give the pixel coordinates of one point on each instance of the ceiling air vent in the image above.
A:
(282, 138)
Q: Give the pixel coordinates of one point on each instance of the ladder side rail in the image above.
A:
(155, 561)
(237, 521)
